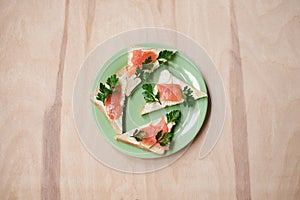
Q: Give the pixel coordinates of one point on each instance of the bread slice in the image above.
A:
(129, 138)
(133, 81)
(167, 78)
(117, 124)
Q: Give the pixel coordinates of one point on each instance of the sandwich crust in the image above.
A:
(126, 139)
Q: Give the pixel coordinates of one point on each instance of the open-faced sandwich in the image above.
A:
(111, 96)
(155, 136)
(169, 91)
(142, 62)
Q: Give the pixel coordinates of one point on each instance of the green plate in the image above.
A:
(191, 119)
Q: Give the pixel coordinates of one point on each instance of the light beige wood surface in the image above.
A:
(255, 46)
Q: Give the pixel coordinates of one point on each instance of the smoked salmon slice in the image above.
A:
(169, 92)
(113, 104)
(109, 98)
(138, 57)
(151, 132)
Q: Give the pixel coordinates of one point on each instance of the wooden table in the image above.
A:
(255, 46)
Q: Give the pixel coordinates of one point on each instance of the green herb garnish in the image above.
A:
(147, 60)
(148, 94)
(173, 116)
(166, 139)
(189, 100)
(143, 72)
(139, 135)
(165, 56)
(112, 81)
(163, 139)
(104, 91)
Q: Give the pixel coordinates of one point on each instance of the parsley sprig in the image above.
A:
(139, 135)
(112, 81)
(105, 90)
(147, 60)
(189, 100)
(143, 72)
(148, 94)
(165, 56)
(173, 116)
(165, 139)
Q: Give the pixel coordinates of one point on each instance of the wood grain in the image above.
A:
(255, 46)
(239, 115)
(268, 51)
(50, 177)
